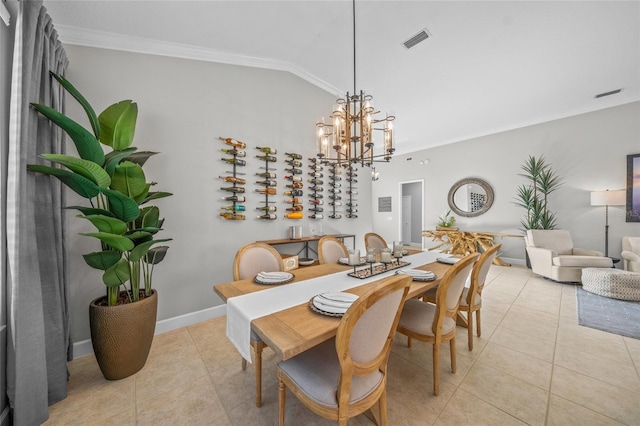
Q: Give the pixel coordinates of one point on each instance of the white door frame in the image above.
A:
(421, 182)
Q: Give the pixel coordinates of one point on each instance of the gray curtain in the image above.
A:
(38, 343)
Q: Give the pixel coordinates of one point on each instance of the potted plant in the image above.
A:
(123, 321)
(446, 222)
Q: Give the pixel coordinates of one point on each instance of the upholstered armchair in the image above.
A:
(553, 256)
(631, 254)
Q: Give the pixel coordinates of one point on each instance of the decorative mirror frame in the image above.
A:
(483, 184)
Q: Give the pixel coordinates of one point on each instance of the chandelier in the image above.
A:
(348, 138)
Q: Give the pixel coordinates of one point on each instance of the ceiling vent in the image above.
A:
(613, 92)
(420, 37)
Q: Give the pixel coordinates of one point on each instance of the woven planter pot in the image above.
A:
(121, 335)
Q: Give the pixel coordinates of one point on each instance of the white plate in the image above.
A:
(447, 260)
(305, 261)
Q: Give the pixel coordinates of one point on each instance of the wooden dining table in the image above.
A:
(293, 330)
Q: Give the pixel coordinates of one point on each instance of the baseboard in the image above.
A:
(513, 260)
(84, 347)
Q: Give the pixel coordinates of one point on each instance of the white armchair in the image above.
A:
(631, 254)
(553, 255)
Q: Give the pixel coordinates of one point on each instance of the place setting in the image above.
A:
(334, 304)
(418, 274)
(271, 278)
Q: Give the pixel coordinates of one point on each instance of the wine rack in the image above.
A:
(235, 211)
(268, 183)
(294, 186)
(316, 211)
(335, 192)
(351, 179)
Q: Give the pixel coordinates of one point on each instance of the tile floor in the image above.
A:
(533, 365)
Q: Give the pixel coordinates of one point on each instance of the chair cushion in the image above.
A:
(316, 372)
(583, 261)
(463, 301)
(417, 316)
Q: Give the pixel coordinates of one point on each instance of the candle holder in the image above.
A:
(385, 257)
(354, 258)
(397, 251)
(371, 258)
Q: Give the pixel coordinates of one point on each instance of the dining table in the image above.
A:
(291, 330)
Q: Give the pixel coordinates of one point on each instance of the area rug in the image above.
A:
(612, 315)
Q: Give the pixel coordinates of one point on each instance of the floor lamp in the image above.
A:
(608, 198)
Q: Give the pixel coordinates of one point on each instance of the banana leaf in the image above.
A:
(117, 242)
(118, 124)
(79, 184)
(88, 169)
(140, 157)
(139, 237)
(102, 260)
(121, 206)
(141, 250)
(155, 196)
(117, 274)
(107, 224)
(129, 179)
(156, 255)
(91, 210)
(91, 114)
(112, 159)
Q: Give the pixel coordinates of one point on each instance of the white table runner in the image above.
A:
(241, 310)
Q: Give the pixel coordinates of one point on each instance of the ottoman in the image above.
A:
(614, 283)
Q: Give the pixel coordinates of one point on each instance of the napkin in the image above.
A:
(273, 277)
(334, 302)
(449, 260)
(417, 273)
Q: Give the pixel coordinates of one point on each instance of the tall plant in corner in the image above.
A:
(117, 192)
(534, 195)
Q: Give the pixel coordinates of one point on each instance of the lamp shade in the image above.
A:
(609, 198)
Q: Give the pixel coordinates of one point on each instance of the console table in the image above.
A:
(464, 243)
(306, 240)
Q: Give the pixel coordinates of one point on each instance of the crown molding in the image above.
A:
(105, 40)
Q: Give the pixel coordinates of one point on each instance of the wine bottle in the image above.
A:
(316, 189)
(352, 204)
(268, 216)
(267, 150)
(270, 158)
(294, 171)
(294, 185)
(268, 175)
(294, 163)
(294, 192)
(352, 174)
(267, 208)
(235, 198)
(234, 151)
(351, 192)
(236, 161)
(352, 210)
(316, 216)
(232, 216)
(294, 215)
(335, 197)
(335, 185)
(267, 182)
(294, 178)
(316, 174)
(268, 190)
(294, 155)
(316, 195)
(335, 178)
(237, 207)
(312, 159)
(316, 209)
(335, 203)
(295, 208)
(352, 180)
(232, 179)
(335, 216)
(292, 200)
(233, 142)
(315, 181)
(316, 202)
(335, 191)
(352, 216)
(234, 189)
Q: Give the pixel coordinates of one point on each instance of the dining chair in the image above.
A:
(249, 261)
(471, 300)
(435, 324)
(347, 375)
(373, 240)
(331, 249)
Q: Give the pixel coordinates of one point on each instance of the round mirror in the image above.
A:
(470, 197)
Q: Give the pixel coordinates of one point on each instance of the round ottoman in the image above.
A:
(613, 283)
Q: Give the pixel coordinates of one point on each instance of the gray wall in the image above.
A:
(588, 151)
(184, 106)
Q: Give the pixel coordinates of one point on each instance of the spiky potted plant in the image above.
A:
(122, 321)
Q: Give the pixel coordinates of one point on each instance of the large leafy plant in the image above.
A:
(117, 190)
(534, 195)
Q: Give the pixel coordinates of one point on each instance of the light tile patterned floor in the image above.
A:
(533, 365)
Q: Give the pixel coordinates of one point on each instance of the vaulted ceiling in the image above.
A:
(487, 66)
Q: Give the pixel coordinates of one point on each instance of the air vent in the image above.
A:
(613, 92)
(420, 37)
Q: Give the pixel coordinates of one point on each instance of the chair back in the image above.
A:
(450, 290)
(254, 258)
(373, 240)
(331, 249)
(366, 332)
(479, 273)
(556, 240)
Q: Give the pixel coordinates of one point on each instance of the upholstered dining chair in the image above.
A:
(375, 241)
(249, 261)
(471, 300)
(347, 375)
(435, 324)
(331, 249)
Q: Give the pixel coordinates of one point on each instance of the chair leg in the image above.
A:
(244, 364)
(436, 368)
(382, 405)
(452, 349)
(408, 342)
(478, 322)
(470, 329)
(259, 348)
(281, 402)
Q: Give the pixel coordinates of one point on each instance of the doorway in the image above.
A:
(411, 212)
